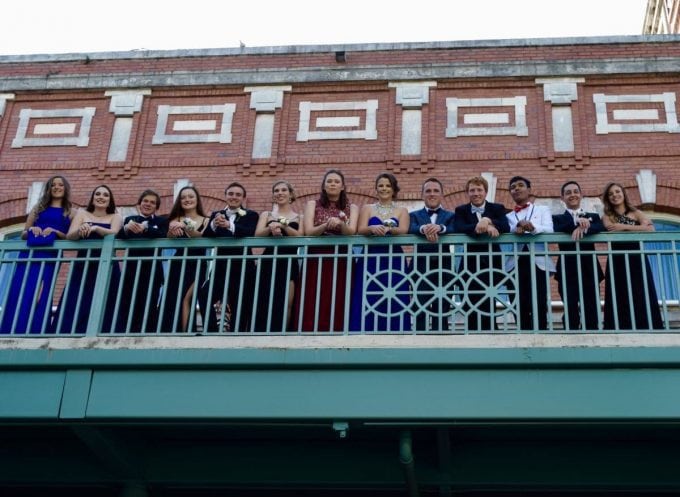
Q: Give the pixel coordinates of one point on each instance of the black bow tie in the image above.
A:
(145, 219)
(432, 211)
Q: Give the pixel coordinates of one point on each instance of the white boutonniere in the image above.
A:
(240, 212)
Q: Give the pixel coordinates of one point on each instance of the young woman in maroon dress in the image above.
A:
(325, 277)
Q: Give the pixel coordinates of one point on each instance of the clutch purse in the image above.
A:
(40, 241)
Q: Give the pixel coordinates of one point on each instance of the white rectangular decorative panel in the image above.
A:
(497, 118)
(562, 124)
(411, 131)
(636, 115)
(194, 125)
(472, 120)
(338, 122)
(308, 128)
(78, 128)
(180, 127)
(54, 129)
(668, 122)
(264, 136)
(122, 128)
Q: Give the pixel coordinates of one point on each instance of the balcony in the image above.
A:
(123, 406)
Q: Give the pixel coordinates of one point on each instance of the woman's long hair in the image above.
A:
(608, 207)
(46, 196)
(111, 209)
(323, 198)
(177, 210)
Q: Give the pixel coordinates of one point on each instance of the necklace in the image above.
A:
(384, 211)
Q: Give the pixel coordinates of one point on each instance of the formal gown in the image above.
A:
(329, 274)
(275, 277)
(629, 284)
(380, 298)
(81, 283)
(176, 286)
(37, 279)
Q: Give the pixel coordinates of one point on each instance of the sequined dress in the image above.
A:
(330, 279)
(625, 286)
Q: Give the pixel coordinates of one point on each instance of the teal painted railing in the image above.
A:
(339, 285)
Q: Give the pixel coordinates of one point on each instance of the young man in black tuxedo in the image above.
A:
(481, 220)
(433, 259)
(579, 289)
(232, 276)
(142, 279)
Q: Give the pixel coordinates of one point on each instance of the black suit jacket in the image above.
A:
(564, 223)
(466, 222)
(243, 226)
(157, 228)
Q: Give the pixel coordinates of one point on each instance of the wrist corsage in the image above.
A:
(188, 224)
(390, 223)
(283, 221)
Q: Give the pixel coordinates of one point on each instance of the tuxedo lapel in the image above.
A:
(444, 217)
(424, 217)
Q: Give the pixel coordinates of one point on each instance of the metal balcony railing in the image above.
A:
(341, 285)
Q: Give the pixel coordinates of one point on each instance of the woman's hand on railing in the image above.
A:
(176, 229)
(84, 230)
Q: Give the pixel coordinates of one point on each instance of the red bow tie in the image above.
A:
(521, 207)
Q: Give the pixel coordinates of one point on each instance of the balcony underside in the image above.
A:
(107, 416)
(202, 458)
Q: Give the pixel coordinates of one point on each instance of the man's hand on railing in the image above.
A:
(581, 229)
(221, 221)
(486, 227)
(134, 227)
(524, 226)
(431, 232)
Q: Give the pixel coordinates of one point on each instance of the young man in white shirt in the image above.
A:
(527, 218)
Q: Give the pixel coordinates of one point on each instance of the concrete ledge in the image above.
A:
(354, 47)
(344, 342)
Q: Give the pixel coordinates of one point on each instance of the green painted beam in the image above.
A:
(388, 394)
(30, 394)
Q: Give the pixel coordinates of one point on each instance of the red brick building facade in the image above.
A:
(588, 109)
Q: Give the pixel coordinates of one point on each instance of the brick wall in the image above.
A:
(503, 122)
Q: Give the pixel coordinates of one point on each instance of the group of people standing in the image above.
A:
(336, 285)
(630, 300)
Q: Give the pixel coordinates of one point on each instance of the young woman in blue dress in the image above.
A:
(96, 221)
(29, 300)
(378, 276)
